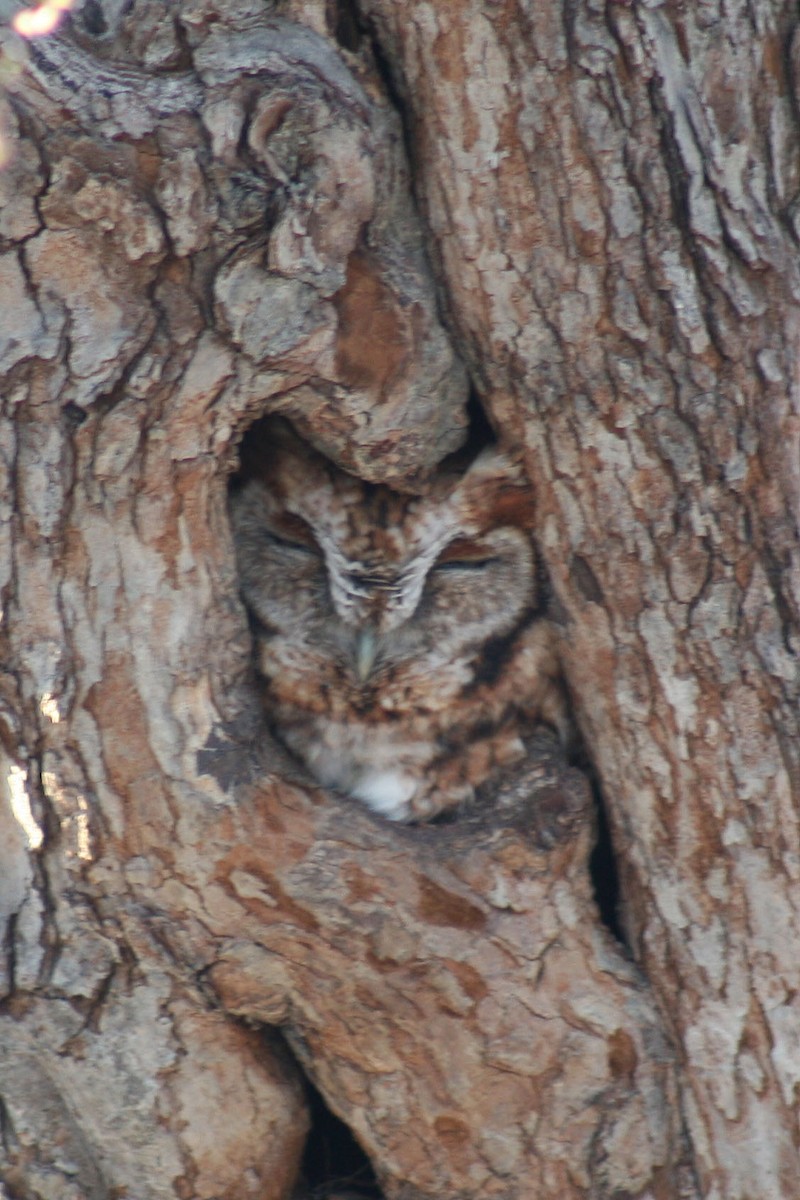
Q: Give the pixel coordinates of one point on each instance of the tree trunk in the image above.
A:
(208, 217)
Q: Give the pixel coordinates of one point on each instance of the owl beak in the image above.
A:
(366, 652)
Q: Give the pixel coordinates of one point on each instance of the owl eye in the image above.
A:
(278, 540)
(467, 564)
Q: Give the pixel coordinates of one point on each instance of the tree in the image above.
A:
(207, 217)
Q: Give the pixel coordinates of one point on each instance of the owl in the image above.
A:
(400, 638)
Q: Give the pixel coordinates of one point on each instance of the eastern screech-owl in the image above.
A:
(400, 639)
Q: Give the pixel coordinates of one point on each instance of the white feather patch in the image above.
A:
(385, 792)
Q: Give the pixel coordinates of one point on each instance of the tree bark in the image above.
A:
(208, 217)
(631, 191)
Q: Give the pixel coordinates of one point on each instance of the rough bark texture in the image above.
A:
(631, 193)
(207, 216)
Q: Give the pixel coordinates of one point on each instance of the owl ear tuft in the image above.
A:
(265, 441)
(514, 506)
(497, 492)
(274, 453)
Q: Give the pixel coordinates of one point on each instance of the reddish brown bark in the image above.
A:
(208, 218)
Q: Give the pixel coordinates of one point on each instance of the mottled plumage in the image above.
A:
(399, 637)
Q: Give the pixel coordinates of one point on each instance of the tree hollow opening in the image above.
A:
(603, 869)
(333, 1162)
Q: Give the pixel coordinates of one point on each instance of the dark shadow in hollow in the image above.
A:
(333, 1161)
(603, 869)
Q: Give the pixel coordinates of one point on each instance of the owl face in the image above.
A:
(378, 614)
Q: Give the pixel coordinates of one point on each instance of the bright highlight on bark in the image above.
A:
(34, 22)
(30, 23)
(16, 783)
